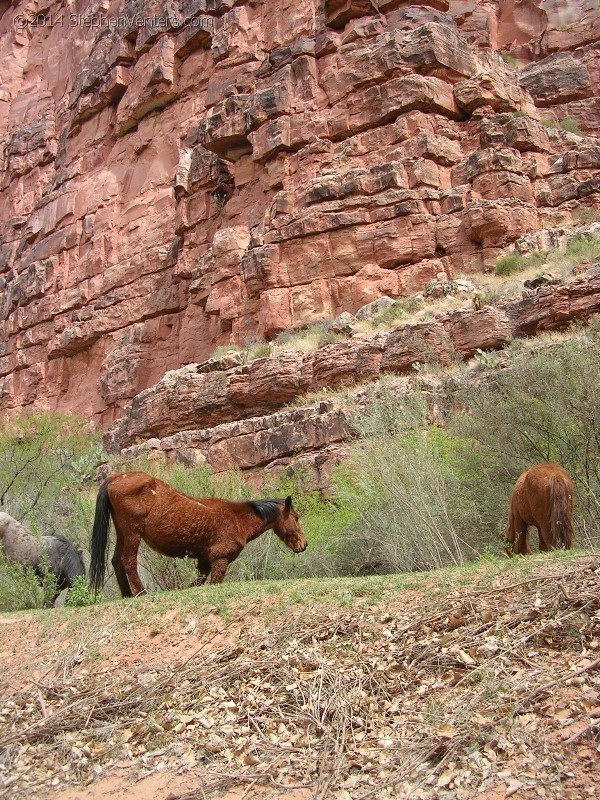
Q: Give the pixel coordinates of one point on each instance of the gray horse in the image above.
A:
(54, 553)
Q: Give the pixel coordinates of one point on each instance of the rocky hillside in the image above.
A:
(180, 175)
(242, 416)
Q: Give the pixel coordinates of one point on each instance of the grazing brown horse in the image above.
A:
(543, 497)
(212, 531)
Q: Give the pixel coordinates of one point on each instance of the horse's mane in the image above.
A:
(267, 510)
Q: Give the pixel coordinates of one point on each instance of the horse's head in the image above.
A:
(288, 528)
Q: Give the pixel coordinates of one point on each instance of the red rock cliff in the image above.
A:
(180, 174)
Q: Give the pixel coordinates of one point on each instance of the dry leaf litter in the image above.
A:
(487, 693)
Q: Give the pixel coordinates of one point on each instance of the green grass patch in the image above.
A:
(393, 314)
(224, 349)
(571, 125)
(259, 350)
(513, 263)
(583, 247)
(568, 124)
(312, 337)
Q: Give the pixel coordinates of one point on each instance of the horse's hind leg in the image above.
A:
(129, 562)
(545, 537)
(521, 545)
(124, 561)
(118, 567)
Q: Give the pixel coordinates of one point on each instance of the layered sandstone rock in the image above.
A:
(192, 409)
(185, 174)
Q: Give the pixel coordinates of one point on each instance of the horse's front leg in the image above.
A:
(203, 570)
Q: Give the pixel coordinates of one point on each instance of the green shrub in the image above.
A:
(80, 593)
(537, 258)
(508, 265)
(223, 349)
(488, 359)
(399, 310)
(570, 125)
(592, 329)
(583, 247)
(329, 337)
(585, 215)
(400, 493)
(319, 331)
(259, 350)
(546, 407)
(21, 588)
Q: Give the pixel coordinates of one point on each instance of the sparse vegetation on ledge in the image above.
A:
(580, 248)
(506, 282)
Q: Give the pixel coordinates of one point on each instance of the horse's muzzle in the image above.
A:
(302, 548)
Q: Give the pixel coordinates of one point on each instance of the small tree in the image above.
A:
(42, 456)
(401, 492)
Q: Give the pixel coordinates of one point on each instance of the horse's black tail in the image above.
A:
(99, 544)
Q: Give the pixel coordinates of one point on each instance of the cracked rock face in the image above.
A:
(235, 397)
(184, 174)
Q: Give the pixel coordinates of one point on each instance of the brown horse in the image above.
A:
(543, 497)
(212, 531)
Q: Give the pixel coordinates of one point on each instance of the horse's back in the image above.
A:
(131, 482)
(169, 521)
(18, 543)
(541, 478)
(546, 471)
(152, 494)
(132, 492)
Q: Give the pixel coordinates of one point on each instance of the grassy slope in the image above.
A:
(439, 684)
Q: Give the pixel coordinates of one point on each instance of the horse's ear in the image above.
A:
(288, 504)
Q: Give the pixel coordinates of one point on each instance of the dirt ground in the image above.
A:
(484, 687)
